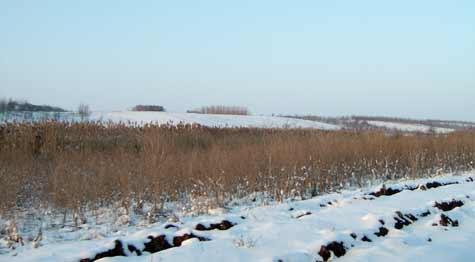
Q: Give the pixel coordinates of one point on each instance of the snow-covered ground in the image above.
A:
(406, 127)
(220, 121)
(210, 120)
(398, 222)
(141, 118)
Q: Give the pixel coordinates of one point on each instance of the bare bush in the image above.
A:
(84, 111)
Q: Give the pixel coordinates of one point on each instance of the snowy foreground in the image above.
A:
(426, 220)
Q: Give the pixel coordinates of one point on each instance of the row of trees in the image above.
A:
(12, 105)
(154, 108)
(84, 110)
(214, 109)
(221, 110)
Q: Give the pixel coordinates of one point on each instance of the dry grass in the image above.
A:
(73, 167)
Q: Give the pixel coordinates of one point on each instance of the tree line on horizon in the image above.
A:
(11, 105)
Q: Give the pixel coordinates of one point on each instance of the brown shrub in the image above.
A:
(84, 165)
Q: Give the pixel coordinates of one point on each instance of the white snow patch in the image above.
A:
(406, 127)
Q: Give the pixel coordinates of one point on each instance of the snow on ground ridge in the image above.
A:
(306, 230)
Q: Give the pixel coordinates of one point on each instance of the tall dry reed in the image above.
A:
(80, 166)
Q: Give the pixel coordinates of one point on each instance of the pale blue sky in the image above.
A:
(397, 58)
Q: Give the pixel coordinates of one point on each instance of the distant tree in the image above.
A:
(3, 105)
(154, 108)
(84, 111)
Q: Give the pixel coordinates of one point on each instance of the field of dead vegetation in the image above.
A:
(84, 166)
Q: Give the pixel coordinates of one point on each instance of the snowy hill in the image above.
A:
(409, 127)
(210, 120)
(221, 121)
(426, 219)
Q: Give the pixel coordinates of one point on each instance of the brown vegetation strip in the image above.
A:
(82, 166)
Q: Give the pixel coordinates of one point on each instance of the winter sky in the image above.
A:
(396, 58)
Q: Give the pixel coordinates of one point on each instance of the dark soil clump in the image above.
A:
(223, 225)
(337, 248)
(447, 206)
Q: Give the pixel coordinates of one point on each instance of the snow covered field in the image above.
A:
(427, 219)
(221, 121)
(210, 120)
(141, 118)
(406, 127)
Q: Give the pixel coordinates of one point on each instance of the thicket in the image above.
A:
(85, 166)
(221, 110)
